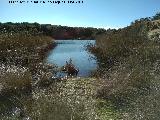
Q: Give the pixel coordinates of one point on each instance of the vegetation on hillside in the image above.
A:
(128, 61)
(126, 85)
(54, 31)
(21, 64)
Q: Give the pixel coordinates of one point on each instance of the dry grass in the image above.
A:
(14, 79)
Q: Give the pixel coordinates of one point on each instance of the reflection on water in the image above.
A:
(74, 49)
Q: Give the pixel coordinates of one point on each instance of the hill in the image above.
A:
(129, 66)
(54, 31)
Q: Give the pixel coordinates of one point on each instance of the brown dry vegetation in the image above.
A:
(129, 64)
(127, 84)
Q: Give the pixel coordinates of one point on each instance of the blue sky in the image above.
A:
(92, 13)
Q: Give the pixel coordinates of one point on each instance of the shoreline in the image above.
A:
(45, 49)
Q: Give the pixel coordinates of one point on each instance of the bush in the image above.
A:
(127, 59)
(71, 99)
(14, 80)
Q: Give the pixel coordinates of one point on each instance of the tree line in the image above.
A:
(54, 31)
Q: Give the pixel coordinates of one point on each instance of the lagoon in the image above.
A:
(76, 50)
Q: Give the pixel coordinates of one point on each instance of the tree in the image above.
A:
(157, 16)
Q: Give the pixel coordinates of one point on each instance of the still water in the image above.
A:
(76, 50)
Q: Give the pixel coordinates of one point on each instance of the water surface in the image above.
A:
(76, 50)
